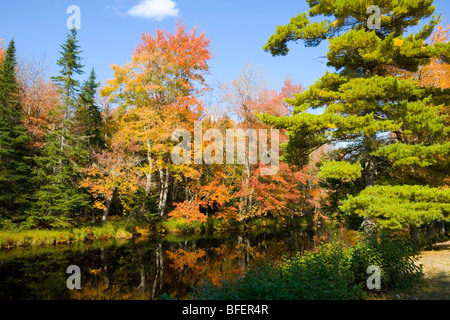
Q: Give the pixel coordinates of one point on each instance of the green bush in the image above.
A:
(7, 224)
(398, 256)
(334, 272)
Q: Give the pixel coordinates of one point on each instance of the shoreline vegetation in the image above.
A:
(123, 229)
(344, 258)
(332, 271)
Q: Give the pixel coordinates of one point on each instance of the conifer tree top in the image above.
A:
(354, 48)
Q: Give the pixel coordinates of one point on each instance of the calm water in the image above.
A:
(139, 269)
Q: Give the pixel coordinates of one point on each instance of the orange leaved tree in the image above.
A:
(157, 93)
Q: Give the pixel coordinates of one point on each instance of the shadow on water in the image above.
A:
(140, 269)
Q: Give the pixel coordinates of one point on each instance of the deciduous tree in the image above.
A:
(157, 92)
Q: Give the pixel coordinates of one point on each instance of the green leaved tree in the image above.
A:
(59, 165)
(70, 63)
(88, 119)
(15, 170)
(390, 129)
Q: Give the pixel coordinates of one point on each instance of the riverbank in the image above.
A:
(188, 253)
(109, 230)
(128, 229)
(127, 269)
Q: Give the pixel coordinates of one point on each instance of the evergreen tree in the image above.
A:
(88, 118)
(70, 63)
(15, 169)
(59, 198)
(392, 130)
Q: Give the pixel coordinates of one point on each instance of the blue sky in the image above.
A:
(111, 29)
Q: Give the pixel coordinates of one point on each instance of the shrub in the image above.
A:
(334, 272)
(398, 256)
(7, 224)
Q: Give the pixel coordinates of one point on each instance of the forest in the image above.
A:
(363, 152)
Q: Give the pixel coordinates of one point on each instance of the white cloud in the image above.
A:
(155, 9)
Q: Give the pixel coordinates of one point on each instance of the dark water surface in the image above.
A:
(144, 269)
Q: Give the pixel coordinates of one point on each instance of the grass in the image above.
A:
(220, 226)
(178, 227)
(109, 230)
(14, 236)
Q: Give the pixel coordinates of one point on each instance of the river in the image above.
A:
(141, 269)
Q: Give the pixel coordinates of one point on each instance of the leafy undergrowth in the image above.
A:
(334, 272)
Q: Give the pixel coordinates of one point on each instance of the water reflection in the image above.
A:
(140, 269)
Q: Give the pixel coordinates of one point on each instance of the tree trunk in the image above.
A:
(442, 227)
(249, 200)
(241, 252)
(105, 268)
(186, 189)
(370, 172)
(413, 230)
(163, 190)
(159, 272)
(430, 232)
(108, 207)
(148, 185)
(142, 285)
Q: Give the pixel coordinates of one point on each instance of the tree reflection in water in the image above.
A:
(139, 269)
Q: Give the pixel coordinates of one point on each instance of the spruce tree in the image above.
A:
(88, 118)
(390, 129)
(15, 172)
(70, 63)
(59, 198)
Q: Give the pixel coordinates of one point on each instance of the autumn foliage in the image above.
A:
(2, 51)
(163, 87)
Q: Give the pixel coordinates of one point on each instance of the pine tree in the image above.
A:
(392, 129)
(15, 169)
(88, 118)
